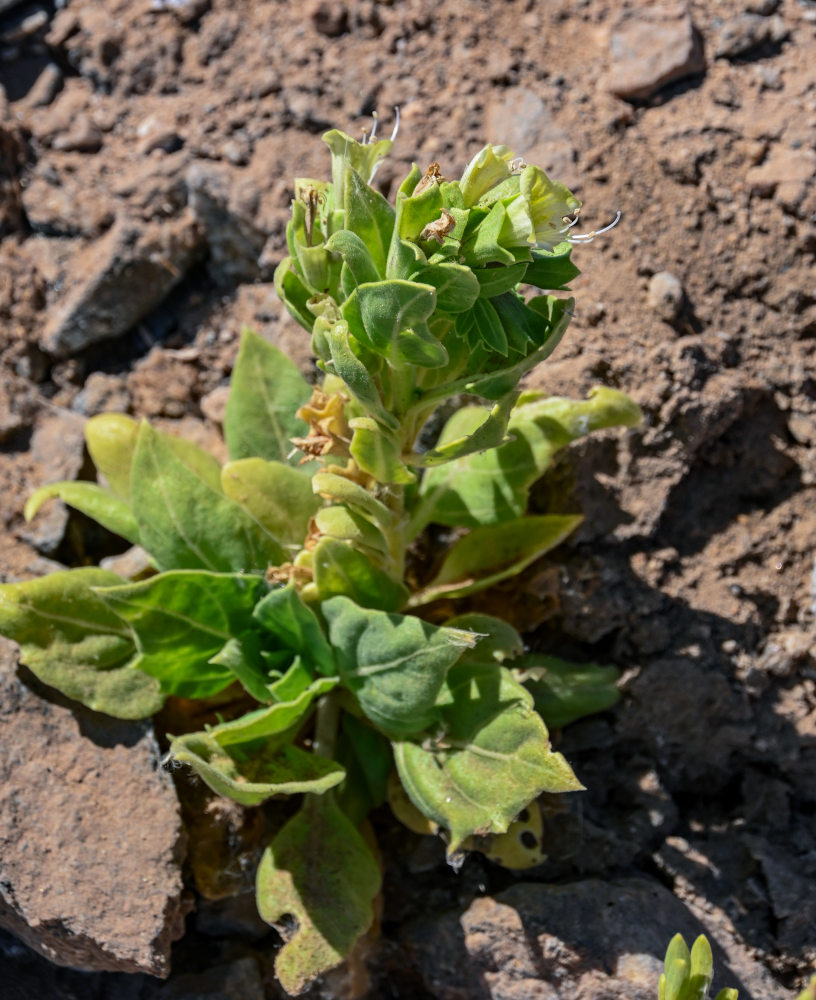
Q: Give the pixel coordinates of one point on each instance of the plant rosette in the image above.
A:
(281, 575)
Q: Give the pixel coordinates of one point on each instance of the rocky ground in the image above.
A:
(147, 150)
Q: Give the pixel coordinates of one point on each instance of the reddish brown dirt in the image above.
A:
(694, 568)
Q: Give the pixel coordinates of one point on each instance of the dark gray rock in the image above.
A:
(119, 279)
(588, 940)
(90, 833)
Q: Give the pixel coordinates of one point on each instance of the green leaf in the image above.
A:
(487, 328)
(373, 752)
(320, 871)
(111, 440)
(293, 623)
(551, 271)
(265, 391)
(343, 490)
(565, 691)
(181, 620)
(484, 247)
(356, 255)
(456, 287)
(340, 569)
(370, 217)
(242, 657)
(280, 498)
(414, 213)
(72, 641)
(101, 504)
(498, 641)
(356, 375)
(394, 664)
(252, 772)
(487, 555)
(676, 964)
(348, 525)
(492, 758)
(390, 318)
(273, 720)
(492, 486)
(186, 521)
(294, 294)
(497, 280)
(489, 434)
(701, 969)
(378, 453)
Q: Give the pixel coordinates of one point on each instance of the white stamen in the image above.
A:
(589, 237)
(396, 125)
(374, 127)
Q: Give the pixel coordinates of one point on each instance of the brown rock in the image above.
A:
(739, 35)
(786, 175)
(90, 836)
(652, 46)
(82, 137)
(665, 295)
(119, 279)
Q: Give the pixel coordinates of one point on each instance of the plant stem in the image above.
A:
(326, 724)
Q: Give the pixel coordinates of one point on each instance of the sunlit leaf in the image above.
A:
(101, 504)
(279, 497)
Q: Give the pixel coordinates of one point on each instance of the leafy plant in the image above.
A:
(289, 578)
(688, 974)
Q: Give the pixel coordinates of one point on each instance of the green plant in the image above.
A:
(291, 575)
(688, 974)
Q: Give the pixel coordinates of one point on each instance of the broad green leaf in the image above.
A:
(348, 525)
(181, 620)
(373, 751)
(294, 294)
(497, 280)
(492, 486)
(370, 217)
(343, 490)
(72, 641)
(390, 317)
(394, 664)
(340, 569)
(356, 256)
(299, 676)
(274, 719)
(487, 555)
(101, 504)
(492, 757)
(186, 521)
(490, 433)
(488, 168)
(278, 496)
(320, 871)
(456, 287)
(565, 691)
(414, 213)
(252, 772)
(265, 391)
(111, 440)
(361, 157)
(293, 623)
(378, 453)
(551, 271)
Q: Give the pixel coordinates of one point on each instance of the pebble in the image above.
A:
(665, 295)
(46, 87)
(82, 137)
(739, 35)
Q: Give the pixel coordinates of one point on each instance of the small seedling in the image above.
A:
(290, 578)
(688, 974)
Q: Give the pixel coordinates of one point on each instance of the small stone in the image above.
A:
(102, 393)
(330, 19)
(652, 47)
(802, 427)
(786, 175)
(785, 651)
(82, 137)
(665, 295)
(214, 404)
(739, 35)
(46, 87)
(130, 564)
